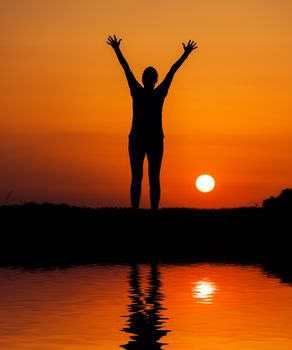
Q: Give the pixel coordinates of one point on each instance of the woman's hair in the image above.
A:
(150, 76)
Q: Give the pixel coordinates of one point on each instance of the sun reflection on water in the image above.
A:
(203, 291)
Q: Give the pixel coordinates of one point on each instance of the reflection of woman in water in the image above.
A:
(146, 136)
(145, 320)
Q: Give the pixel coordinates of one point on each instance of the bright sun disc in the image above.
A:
(205, 183)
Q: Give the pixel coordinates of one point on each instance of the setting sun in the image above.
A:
(205, 183)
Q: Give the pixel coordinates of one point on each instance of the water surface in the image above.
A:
(188, 307)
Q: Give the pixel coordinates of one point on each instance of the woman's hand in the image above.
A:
(190, 46)
(114, 42)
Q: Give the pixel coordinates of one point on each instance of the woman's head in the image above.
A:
(149, 77)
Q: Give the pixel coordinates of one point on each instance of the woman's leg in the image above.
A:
(137, 154)
(154, 155)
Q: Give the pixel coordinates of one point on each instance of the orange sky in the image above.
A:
(65, 109)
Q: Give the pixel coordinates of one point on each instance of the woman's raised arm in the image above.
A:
(115, 44)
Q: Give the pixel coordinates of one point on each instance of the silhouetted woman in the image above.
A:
(146, 136)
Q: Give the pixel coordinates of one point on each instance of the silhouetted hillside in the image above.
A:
(49, 235)
(283, 201)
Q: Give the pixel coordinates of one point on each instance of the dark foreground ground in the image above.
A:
(61, 235)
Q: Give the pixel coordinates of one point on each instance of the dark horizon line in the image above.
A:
(114, 207)
(283, 200)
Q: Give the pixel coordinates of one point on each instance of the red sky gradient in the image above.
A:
(65, 110)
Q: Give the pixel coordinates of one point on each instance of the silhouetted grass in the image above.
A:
(48, 235)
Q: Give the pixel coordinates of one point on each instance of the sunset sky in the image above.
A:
(65, 111)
